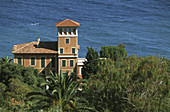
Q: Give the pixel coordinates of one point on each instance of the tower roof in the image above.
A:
(67, 23)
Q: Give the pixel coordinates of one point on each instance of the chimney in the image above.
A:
(38, 41)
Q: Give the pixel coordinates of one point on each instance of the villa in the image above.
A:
(53, 55)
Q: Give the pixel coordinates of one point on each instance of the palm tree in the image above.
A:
(61, 91)
(5, 60)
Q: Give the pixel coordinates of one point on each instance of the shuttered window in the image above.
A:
(42, 62)
(61, 50)
(71, 63)
(73, 50)
(20, 60)
(67, 41)
(53, 62)
(63, 63)
(32, 60)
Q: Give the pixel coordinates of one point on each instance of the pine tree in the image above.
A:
(90, 65)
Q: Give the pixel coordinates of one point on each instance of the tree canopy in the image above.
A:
(140, 85)
(15, 82)
(114, 83)
(92, 59)
(116, 53)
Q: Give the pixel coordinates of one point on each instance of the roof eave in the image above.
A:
(34, 53)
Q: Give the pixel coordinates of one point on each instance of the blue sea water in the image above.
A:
(142, 25)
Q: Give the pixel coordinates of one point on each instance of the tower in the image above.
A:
(67, 45)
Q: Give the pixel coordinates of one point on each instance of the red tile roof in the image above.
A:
(32, 48)
(67, 23)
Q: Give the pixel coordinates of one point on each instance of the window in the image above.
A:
(53, 62)
(71, 63)
(42, 62)
(73, 50)
(74, 31)
(65, 31)
(61, 50)
(20, 60)
(69, 31)
(67, 41)
(32, 60)
(60, 31)
(63, 63)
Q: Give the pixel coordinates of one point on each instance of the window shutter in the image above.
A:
(71, 63)
(73, 50)
(53, 62)
(42, 62)
(67, 41)
(61, 50)
(32, 61)
(19, 60)
(63, 63)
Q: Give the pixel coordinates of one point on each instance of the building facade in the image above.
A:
(55, 56)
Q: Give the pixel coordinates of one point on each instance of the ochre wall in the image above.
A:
(67, 47)
(26, 61)
(67, 54)
(67, 68)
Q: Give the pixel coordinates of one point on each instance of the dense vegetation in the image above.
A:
(15, 82)
(112, 82)
(121, 83)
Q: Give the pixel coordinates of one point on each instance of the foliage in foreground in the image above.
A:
(15, 82)
(61, 91)
(116, 83)
(90, 65)
(140, 84)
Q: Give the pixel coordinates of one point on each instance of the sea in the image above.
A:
(143, 26)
